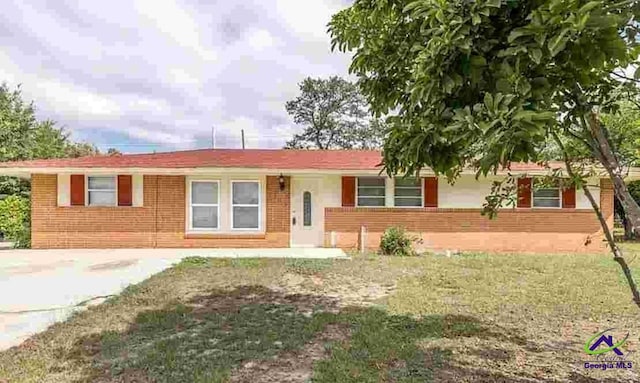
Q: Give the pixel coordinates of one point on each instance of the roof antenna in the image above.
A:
(213, 137)
(242, 138)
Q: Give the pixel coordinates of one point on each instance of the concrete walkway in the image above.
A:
(41, 287)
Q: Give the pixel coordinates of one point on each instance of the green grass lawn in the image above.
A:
(467, 318)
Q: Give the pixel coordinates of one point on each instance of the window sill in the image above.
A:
(252, 235)
(97, 207)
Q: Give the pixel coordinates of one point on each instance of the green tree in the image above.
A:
(15, 220)
(23, 137)
(623, 129)
(489, 82)
(334, 115)
(81, 149)
(624, 133)
(113, 152)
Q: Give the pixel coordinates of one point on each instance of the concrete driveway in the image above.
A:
(41, 287)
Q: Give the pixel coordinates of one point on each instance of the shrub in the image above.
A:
(15, 220)
(396, 241)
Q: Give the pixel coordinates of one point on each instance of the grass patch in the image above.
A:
(182, 345)
(385, 347)
(194, 261)
(250, 263)
(469, 317)
(307, 266)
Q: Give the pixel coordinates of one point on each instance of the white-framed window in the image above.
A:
(102, 191)
(407, 192)
(370, 191)
(245, 205)
(204, 205)
(546, 196)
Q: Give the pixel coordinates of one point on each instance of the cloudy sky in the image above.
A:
(143, 75)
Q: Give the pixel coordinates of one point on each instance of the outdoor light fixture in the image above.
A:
(281, 182)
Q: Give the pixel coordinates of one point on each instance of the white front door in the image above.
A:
(307, 212)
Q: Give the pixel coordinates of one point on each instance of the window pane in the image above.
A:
(408, 192)
(370, 201)
(108, 183)
(408, 201)
(245, 217)
(102, 198)
(554, 193)
(306, 208)
(370, 181)
(204, 192)
(370, 192)
(552, 202)
(246, 193)
(408, 182)
(204, 217)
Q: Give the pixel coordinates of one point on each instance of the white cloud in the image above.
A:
(165, 71)
(307, 18)
(147, 105)
(176, 23)
(260, 39)
(69, 99)
(57, 96)
(158, 137)
(180, 76)
(232, 129)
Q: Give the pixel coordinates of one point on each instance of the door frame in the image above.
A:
(317, 218)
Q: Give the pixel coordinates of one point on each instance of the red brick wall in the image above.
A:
(518, 230)
(528, 230)
(137, 227)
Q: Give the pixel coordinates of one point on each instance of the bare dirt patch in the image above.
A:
(294, 366)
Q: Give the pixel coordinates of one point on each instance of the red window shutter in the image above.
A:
(124, 190)
(348, 191)
(77, 190)
(569, 197)
(431, 192)
(524, 192)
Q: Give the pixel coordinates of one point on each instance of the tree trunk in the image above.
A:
(629, 232)
(617, 253)
(608, 159)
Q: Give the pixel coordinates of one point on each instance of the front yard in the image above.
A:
(474, 317)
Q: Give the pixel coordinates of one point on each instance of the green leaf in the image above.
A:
(558, 43)
(503, 85)
(493, 3)
(488, 100)
(411, 6)
(535, 54)
(478, 61)
(589, 6)
(518, 33)
(636, 74)
(523, 86)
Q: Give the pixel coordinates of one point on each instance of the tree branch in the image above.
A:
(617, 253)
(625, 77)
